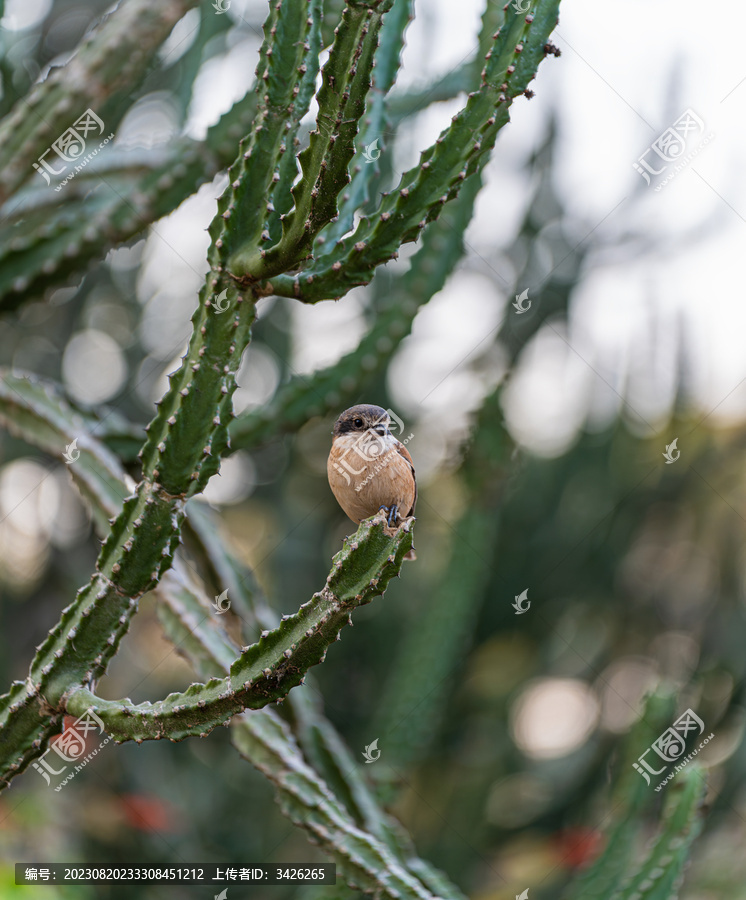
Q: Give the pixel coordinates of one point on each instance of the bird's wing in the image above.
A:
(405, 453)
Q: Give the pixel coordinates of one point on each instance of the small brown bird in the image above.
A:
(369, 469)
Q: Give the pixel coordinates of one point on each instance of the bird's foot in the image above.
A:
(393, 512)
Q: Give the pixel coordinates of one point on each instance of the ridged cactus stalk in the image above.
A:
(297, 219)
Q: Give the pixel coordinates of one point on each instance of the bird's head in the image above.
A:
(362, 418)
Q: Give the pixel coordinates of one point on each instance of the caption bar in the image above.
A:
(207, 873)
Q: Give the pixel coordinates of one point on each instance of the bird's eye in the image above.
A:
(358, 423)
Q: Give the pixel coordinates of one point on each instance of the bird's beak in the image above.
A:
(381, 430)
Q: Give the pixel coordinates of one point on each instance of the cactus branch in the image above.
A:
(185, 441)
(42, 247)
(615, 866)
(110, 57)
(320, 743)
(362, 860)
(338, 385)
(373, 125)
(345, 84)
(290, 48)
(662, 871)
(266, 671)
(462, 149)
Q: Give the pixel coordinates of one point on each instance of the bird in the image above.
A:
(369, 469)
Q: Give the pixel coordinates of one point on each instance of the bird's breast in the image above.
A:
(366, 475)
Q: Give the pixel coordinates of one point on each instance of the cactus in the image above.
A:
(461, 150)
(662, 872)
(184, 611)
(615, 875)
(267, 670)
(43, 247)
(423, 671)
(261, 674)
(107, 61)
(337, 386)
(280, 229)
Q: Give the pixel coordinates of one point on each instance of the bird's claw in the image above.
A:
(393, 512)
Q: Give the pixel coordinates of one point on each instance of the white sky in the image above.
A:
(627, 71)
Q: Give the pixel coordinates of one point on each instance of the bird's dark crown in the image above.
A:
(360, 418)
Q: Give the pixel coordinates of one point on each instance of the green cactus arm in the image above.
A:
(335, 387)
(42, 247)
(403, 104)
(318, 739)
(373, 126)
(108, 60)
(40, 250)
(265, 741)
(341, 100)
(631, 794)
(329, 389)
(185, 442)
(362, 860)
(284, 59)
(330, 757)
(89, 630)
(49, 247)
(281, 197)
(306, 635)
(347, 79)
(462, 149)
(661, 874)
(266, 671)
(37, 411)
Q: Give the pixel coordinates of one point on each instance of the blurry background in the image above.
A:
(496, 730)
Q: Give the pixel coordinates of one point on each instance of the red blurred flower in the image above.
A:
(148, 812)
(578, 847)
